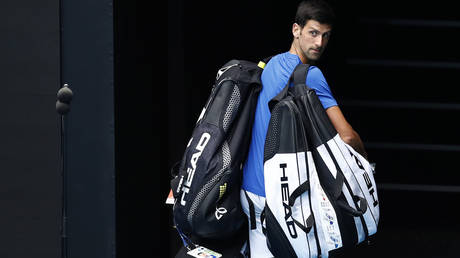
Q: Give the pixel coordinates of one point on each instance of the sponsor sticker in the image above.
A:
(201, 252)
(170, 198)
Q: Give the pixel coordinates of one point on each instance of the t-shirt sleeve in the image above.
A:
(316, 81)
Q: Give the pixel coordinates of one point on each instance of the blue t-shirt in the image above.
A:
(274, 78)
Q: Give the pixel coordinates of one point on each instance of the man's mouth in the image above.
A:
(316, 51)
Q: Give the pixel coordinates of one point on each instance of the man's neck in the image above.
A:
(294, 50)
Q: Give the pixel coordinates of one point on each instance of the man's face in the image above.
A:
(312, 38)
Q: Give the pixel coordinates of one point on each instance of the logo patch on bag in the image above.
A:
(220, 212)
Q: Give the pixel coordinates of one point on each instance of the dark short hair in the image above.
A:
(317, 10)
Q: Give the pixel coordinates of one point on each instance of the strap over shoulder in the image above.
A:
(298, 77)
(283, 94)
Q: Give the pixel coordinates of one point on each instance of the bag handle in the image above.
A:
(305, 186)
(309, 223)
(360, 210)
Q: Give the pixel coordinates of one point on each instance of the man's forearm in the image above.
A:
(358, 145)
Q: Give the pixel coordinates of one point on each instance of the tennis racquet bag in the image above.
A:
(320, 193)
(206, 182)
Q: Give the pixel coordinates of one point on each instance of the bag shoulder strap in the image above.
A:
(299, 76)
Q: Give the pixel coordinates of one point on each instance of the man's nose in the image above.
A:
(319, 41)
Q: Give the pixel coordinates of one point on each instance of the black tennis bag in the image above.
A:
(320, 193)
(207, 181)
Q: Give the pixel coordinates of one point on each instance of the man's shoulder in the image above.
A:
(282, 63)
(275, 59)
(315, 72)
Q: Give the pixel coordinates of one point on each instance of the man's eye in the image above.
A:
(314, 33)
(326, 35)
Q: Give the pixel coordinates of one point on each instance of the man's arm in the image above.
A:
(345, 130)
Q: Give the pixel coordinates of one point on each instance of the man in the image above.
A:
(311, 32)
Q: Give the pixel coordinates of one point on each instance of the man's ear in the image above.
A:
(296, 30)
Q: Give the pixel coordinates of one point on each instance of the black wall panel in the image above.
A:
(141, 131)
(30, 180)
(88, 69)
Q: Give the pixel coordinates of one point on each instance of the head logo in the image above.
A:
(285, 199)
(193, 161)
(367, 180)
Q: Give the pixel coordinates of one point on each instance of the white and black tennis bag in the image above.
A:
(206, 183)
(320, 193)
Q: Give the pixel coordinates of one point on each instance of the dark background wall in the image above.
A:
(30, 182)
(140, 118)
(390, 64)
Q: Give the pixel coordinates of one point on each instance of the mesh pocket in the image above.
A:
(232, 107)
(272, 140)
